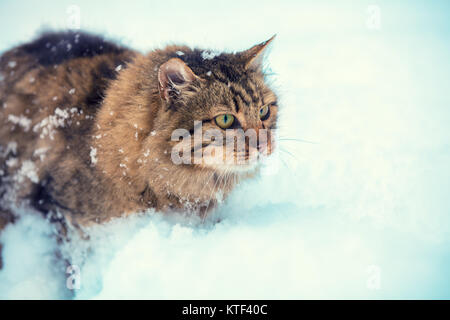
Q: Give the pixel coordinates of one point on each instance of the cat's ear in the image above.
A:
(173, 75)
(253, 57)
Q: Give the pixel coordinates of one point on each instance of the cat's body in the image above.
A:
(49, 100)
(86, 125)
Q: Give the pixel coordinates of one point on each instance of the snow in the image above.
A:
(72, 91)
(28, 170)
(208, 55)
(11, 162)
(20, 120)
(360, 213)
(47, 126)
(93, 155)
(31, 273)
(11, 148)
(63, 114)
(40, 153)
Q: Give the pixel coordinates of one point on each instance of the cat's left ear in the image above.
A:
(253, 57)
(173, 76)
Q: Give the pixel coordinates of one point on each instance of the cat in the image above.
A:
(87, 124)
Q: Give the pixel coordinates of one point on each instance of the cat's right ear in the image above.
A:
(173, 76)
(253, 57)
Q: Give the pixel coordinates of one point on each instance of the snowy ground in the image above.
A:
(362, 212)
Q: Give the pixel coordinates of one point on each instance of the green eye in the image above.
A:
(225, 120)
(264, 112)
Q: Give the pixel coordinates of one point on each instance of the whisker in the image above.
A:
(289, 153)
(285, 164)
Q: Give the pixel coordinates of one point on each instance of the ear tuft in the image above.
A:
(253, 56)
(172, 76)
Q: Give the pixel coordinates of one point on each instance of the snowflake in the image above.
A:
(93, 155)
(20, 120)
(208, 55)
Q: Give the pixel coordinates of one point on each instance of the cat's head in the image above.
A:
(222, 111)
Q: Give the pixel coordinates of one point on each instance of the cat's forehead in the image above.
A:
(224, 67)
(226, 82)
(244, 98)
(211, 65)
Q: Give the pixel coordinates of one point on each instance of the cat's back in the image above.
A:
(51, 76)
(50, 91)
(57, 59)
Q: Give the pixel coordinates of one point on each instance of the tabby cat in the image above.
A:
(86, 126)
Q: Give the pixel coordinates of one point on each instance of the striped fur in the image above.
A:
(108, 151)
